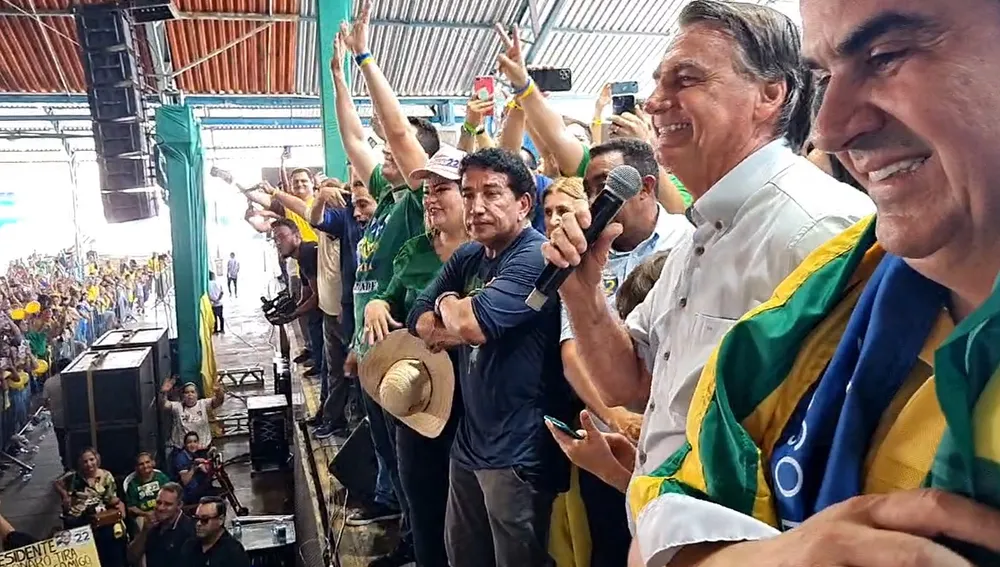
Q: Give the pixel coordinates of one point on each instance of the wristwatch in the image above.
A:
(440, 298)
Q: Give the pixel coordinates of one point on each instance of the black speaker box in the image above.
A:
(269, 428)
(355, 466)
(118, 377)
(118, 445)
(155, 420)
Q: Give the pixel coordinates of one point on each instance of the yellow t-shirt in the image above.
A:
(305, 229)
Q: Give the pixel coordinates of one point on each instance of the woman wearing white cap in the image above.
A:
(411, 384)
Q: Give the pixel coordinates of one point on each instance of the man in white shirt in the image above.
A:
(729, 117)
(233, 275)
(215, 293)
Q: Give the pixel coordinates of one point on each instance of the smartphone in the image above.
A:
(552, 80)
(624, 88)
(483, 89)
(622, 104)
(563, 427)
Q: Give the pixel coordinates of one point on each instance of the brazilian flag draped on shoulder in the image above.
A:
(767, 370)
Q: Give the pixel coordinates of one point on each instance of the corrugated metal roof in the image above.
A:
(263, 63)
(426, 47)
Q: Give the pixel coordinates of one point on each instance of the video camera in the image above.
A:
(278, 311)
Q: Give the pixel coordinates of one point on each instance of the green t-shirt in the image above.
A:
(398, 218)
(142, 495)
(414, 269)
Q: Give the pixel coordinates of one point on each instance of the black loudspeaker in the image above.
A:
(155, 420)
(118, 445)
(355, 466)
(117, 377)
(269, 427)
(114, 91)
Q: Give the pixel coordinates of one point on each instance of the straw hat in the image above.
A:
(410, 382)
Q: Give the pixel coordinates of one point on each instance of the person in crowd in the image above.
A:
(893, 452)
(13, 539)
(87, 493)
(423, 462)
(212, 545)
(399, 217)
(162, 538)
(759, 210)
(557, 200)
(341, 217)
(142, 488)
(233, 275)
(52, 398)
(215, 294)
(647, 228)
(505, 469)
(86, 489)
(192, 469)
(190, 415)
(328, 288)
(302, 187)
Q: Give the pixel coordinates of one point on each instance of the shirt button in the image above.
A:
(683, 302)
(666, 355)
(642, 457)
(699, 251)
(652, 405)
(718, 225)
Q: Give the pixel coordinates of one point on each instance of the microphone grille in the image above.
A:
(624, 182)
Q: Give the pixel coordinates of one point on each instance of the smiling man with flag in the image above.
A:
(854, 419)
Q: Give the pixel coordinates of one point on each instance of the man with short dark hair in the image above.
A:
(212, 545)
(161, 538)
(233, 274)
(505, 467)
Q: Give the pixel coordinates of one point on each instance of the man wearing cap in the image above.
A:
(422, 455)
(505, 468)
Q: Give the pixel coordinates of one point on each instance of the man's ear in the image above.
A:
(649, 183)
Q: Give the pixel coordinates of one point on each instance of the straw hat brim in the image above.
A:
(401, 345)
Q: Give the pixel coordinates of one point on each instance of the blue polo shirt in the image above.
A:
(538, 216)
(515, 378)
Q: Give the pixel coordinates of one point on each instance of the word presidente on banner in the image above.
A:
(74, 548)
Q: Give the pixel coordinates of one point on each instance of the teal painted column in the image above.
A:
(180, 135)
(330, 13)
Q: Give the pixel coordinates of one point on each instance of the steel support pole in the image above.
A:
(330, 13)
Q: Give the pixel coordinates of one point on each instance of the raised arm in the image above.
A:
(512, 135)
(545, 121)
(400, 137)
(352, 132)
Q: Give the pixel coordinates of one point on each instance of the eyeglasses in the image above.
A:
(204, 519)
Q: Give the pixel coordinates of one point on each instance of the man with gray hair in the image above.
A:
(730, 110)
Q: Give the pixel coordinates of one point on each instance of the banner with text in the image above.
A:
(73, 548)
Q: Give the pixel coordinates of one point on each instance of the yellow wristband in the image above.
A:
(512, 103)
(597, 122)
(366, 61)
(527, 91)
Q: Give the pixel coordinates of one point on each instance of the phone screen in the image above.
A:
(483, 88)
(622, 104)
(563, 427)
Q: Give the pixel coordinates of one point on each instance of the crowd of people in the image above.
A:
(780, 351)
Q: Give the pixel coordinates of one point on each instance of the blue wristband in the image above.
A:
(361, 57)
(524, 89)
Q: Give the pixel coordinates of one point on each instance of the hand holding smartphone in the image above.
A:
(563, 427)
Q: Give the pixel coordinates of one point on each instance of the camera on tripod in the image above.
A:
(278, 311)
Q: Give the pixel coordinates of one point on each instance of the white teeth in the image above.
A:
(676, 127)
(888, 171)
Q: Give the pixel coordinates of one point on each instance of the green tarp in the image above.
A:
(179, 135)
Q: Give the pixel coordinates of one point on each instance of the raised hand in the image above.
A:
(356, 36)
(511, 61)
(339, 54)
(476, 110)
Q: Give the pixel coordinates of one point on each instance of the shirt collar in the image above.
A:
(724, 199)
(659, 230)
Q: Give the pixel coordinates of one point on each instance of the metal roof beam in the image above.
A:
(626, 33)
(222, 100)
(555, 14)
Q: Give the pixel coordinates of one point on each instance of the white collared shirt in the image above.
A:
(752, 228)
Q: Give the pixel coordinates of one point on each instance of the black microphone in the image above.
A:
(624, 182)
